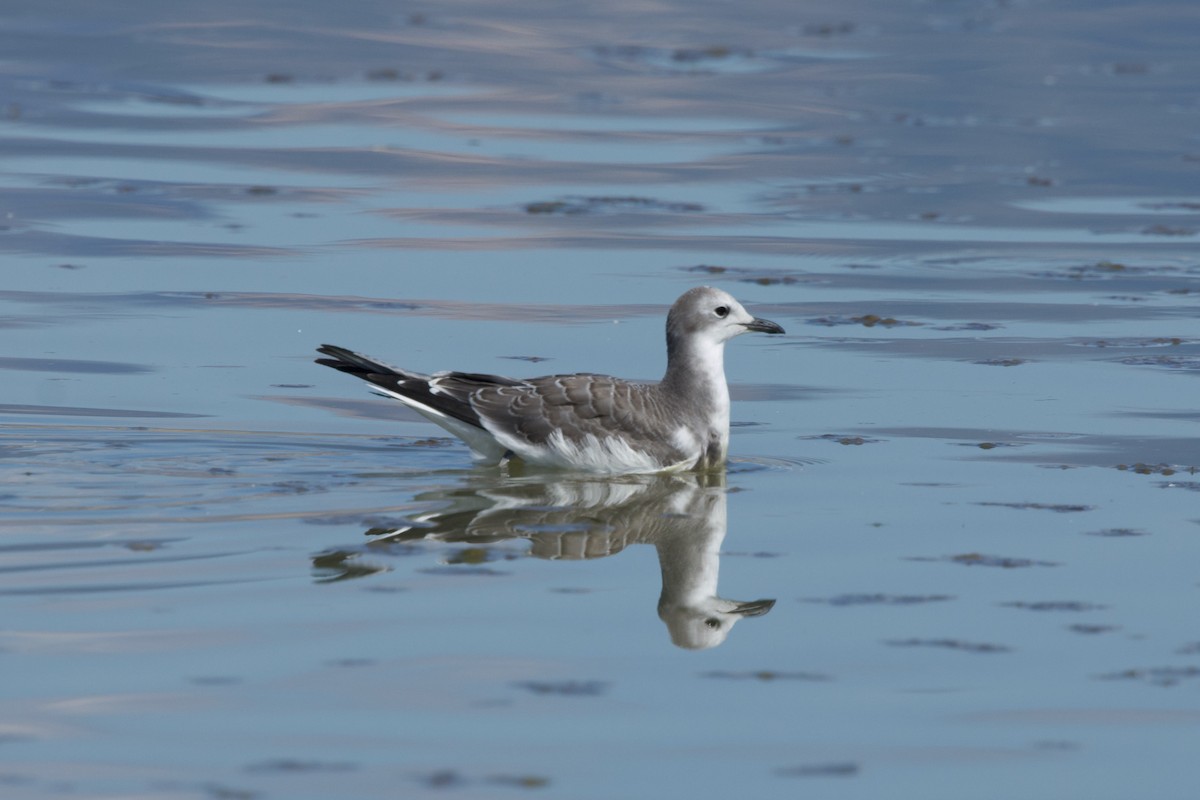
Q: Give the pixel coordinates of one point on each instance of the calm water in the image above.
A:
(967, 475)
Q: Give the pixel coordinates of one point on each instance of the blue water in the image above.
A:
(966, 476)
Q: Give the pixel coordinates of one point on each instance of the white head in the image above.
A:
(711, 317)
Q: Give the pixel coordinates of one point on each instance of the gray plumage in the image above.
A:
(585, 421)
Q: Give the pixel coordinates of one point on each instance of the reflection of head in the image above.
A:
(689, 553)
(708, 624)
(683, 516)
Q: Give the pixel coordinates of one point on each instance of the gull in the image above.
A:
(587, 422)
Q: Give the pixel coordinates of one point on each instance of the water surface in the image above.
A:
(966, 477)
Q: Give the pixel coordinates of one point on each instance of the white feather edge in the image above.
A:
(484, 447)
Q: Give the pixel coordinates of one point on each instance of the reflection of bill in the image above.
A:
(683, 516)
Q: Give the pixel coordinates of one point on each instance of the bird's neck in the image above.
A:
(696, 372)
(689, 554)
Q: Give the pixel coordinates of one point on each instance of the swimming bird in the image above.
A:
(583, 421)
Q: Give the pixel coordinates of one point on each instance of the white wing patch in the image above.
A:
(685, 441)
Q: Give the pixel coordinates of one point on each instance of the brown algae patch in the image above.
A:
(1151, 469)
(521, 781)
(1154, 676)
(717, 52)
(1157, 341)
(976, 327)
(1184, 363)
(981, 560)
(573, 205)
(1060, 508)
(1117, 532)
(1054, 605)
(453, 779)
(1169, 230)
(766, 675)
(951, 644)
(1002, 362)
(758, 277)
(564, 688)
(865, 320)
(844, 439)
(691, 60)
(1102, 270)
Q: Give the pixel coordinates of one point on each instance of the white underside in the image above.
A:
(484, 447)
(610, 454)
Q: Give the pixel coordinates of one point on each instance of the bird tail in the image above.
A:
(359, 366)
(448, 406)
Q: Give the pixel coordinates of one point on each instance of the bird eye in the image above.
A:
(712, 622)
(721, 311)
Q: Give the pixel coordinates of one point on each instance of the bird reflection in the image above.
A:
(682, 516)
